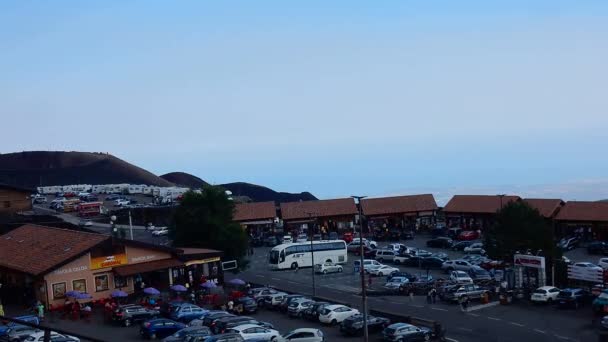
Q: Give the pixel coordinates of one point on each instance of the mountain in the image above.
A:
(39, 168)
(184, 179)
(259, 193)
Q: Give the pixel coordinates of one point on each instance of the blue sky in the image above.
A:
(336, 98)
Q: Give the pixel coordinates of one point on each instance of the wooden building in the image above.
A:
(328, 215)
(400, 212)
(588, 220)
(256, 218)
(474, 211)
(14, 199)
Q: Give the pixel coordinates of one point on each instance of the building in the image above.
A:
(547, 207)
(14, 199)
(257, 218)
(329, 215)
(43, 263)
(588, 220)
(400, 212)
(474, 211)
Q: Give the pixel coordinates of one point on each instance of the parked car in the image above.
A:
(440, 242)
(129, 314)
(368, 252)
(334, 314)
(600, 302)
(454, 293)
(396, 247)
(209, 320)
(545, 294)
(432, 262)
(287, 300)
(303, 335)
(312, 312)
(603, 263)
(296, 308)
(302, 238)
(476, 248)
(382, 271)
(161, 232)
(588, 265)
(460, 277)
(121, 202)
(222, 325)
(477, 273)
(456, 265)
(468, 235)
(258, 293)
(248, 331)
(160, 327)
(27, 318)
(273, 300)
(186, 313)
(271, 241)
(420, 253)
(248, 303)
(287, 239)
(38, 336)
(230, 337)
(347, 237)
(597, 247)
(353, 325)
(396, 283)
(402, 259)
(567, 244)
(367, 242)
(383, 255)
(328, 267)
(367, 263)
(402, 332)
(572, 298)
(17, 333)
(407, 275)
(460, 245)
(182, 335)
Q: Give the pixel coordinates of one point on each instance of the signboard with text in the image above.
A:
(532, 261)
(108, 261)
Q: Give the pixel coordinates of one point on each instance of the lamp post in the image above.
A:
(501, 196)
(363, 292)
(312, 253)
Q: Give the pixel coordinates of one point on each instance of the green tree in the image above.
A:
(519, 227)
(205, 220)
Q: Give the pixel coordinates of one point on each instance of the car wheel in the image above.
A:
(127, 322)
(294, 265)
(427, 337)
(273, 338)
(380, 274)
(339, 269)
(334, 322)
(550, 301)
(324, 271)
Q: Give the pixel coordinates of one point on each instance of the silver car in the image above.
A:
(456, 265)
(328, 267)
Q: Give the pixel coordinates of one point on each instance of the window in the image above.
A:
(79, 285)
(101, 283)
(59, 290)
(119, 282)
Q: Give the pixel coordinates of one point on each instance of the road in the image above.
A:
(516, 323)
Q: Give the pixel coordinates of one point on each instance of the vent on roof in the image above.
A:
(20, 241)
(8, 237)
(67, 249)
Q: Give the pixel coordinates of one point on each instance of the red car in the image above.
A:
(468, 235)
(347, 237)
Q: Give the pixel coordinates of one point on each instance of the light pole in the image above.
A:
(312, 252)
(501, 196)
(363, 292)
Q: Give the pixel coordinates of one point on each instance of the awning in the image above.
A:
(128, 270)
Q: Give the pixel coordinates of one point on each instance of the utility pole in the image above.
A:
(312, 253)
(363, 291)
(130, 225)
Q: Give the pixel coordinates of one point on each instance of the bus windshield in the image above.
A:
(273, 257)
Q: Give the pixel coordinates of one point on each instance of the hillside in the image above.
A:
(39, 168)
(259, 193)
(184, 179)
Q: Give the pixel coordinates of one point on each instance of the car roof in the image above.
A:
(335, 306)
(546, 287)
(245, 326)
(399, 325)
(313, 330)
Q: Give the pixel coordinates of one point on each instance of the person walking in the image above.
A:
(429, 296)
(40, 311)
(369, 281)
(433, 295)
(411, 294)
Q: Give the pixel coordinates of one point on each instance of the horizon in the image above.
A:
(340, 99)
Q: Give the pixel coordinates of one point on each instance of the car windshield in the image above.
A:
(565, 294)
(540, 291)
(273, 257)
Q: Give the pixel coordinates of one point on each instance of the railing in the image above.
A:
(47, 330)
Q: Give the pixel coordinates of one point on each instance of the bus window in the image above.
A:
(282, 255)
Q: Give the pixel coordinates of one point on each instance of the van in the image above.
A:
(385, 255)
(367, 262)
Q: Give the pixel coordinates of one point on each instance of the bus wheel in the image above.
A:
(294, 265)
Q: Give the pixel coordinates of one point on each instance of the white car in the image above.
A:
(287, 239)
(328, 267)
(396, 283)
(456, 265)
(303, 335)
(385, 255)
(545, 294)
(302, 238)
(367, 264)
(588, 265)
(160, 232)
(476, 248)
(603, 263)
(396, 247)
(366, 242)
(334, 314)
(252, 331)
(383, 270)
(461, 277)
(121, 201)
(39, 337)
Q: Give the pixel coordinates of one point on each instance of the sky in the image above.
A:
(333, 97)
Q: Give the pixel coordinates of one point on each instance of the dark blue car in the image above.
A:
(157, 328)
(187, 312)
(30, 319)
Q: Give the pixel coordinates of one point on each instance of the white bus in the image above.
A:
(295, 255)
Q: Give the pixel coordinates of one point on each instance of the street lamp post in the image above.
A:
(363, 292)
(312, 253)
(501, 196)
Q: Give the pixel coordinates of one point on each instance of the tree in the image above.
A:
(520, 228)
(205, 220)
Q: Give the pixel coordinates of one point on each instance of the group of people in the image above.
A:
(76, 309)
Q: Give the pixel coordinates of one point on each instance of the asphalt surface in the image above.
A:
(517, 322)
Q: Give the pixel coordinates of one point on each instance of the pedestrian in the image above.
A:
(251, 250)
(433, 295)
(297, 267)
(369, 280)
(429, 296)
(40, 311)
(411, 294)
(1, 309)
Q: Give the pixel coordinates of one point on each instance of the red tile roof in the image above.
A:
(477, 204)
(255, 211)
(547, 207)
(37, 249)
(322, 208)
(584, 211)
(398, 204)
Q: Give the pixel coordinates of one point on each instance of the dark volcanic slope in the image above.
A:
(261, 194)
(39, 168)
(184, 179)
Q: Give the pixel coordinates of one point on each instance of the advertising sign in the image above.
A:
(593, 274)
(108, 261)
(529, 261)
